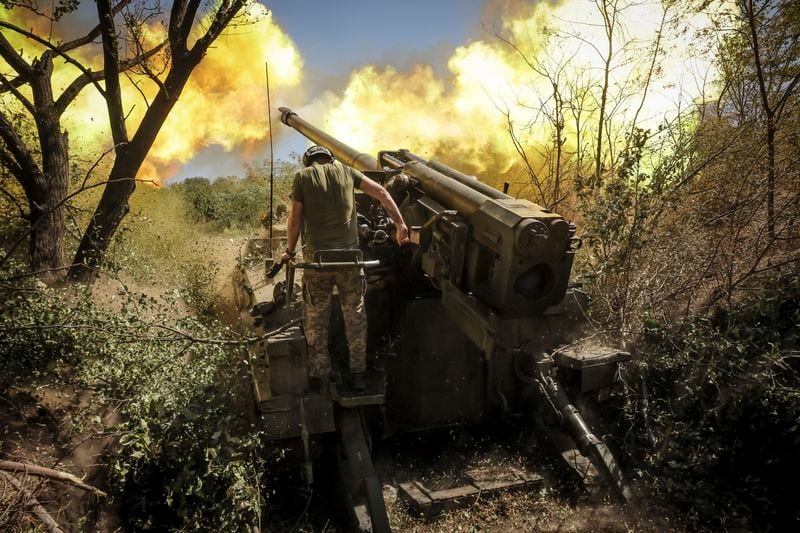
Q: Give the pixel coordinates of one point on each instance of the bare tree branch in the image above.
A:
(781, 105)
(177, 335)
(188, 20)
(94, 166)
(116, 114)
(94, 33)
(47, 44)
(33, 273)
(49, 473)
(27, 167)
(177, 43)
(13, 198)
(78, 84)
(144, 66)
(138, 89)
(224, 14)
(11, 56)
(31, 502)
(652, 68)
(18, 95)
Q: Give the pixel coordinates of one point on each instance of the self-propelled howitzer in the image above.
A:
(473, 321)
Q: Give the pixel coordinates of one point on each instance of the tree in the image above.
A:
(44, 182)
(45, 178)
(610, 10)
(771, 37)
(747, 200)
(632, 177)
(548, 186)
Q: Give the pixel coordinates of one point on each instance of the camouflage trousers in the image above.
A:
(317, 296)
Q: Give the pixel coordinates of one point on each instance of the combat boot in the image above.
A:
(319, 385)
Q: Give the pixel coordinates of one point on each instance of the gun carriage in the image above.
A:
(476, 318)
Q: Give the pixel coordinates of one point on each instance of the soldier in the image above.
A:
(323, 205)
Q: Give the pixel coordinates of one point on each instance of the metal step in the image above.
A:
(430, 497)
(374, 394)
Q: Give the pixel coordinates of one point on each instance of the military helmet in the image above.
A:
(315, 150)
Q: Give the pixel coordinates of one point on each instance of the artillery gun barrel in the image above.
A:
(444, 189)
(470, 181)
(344, 153)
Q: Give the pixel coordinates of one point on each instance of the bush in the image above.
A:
(231, 203)
(719, 435)
(185, 459)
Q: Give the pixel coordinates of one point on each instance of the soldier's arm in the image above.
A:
(375, 190)
(293, 230)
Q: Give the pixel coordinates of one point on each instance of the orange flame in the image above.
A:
(223, 103)
(494, 86)
(225, 100)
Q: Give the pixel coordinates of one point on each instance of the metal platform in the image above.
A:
(374, 394)
(595, 366)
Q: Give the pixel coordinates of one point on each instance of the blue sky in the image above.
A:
(335, 37)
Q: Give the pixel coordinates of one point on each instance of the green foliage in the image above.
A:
(185, 457)
(617, 210)
(64, 7)
(229, 202)
(620, 225)
(192, 468)
(59, 8)
(42, 326)
(719, 433)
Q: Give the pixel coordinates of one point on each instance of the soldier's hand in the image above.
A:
(402, 234)
(286, 257)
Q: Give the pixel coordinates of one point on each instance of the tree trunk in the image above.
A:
(46, 245)
(609, 13)
(48, 187)
(113, 205)
(110, 211)
(771, 176)
(559, 126)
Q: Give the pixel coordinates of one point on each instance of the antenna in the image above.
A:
(271, 161)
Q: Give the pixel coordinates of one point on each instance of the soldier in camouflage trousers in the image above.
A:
(317, 296)
(324, 207)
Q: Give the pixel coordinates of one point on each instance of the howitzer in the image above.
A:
(514, 256)
(475, 319)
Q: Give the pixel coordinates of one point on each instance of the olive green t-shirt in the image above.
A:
(327, 193)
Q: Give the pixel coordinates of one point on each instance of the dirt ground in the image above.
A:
(555, 505)
(52, 424)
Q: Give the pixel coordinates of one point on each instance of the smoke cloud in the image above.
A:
(505, 80)
(502, 81)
